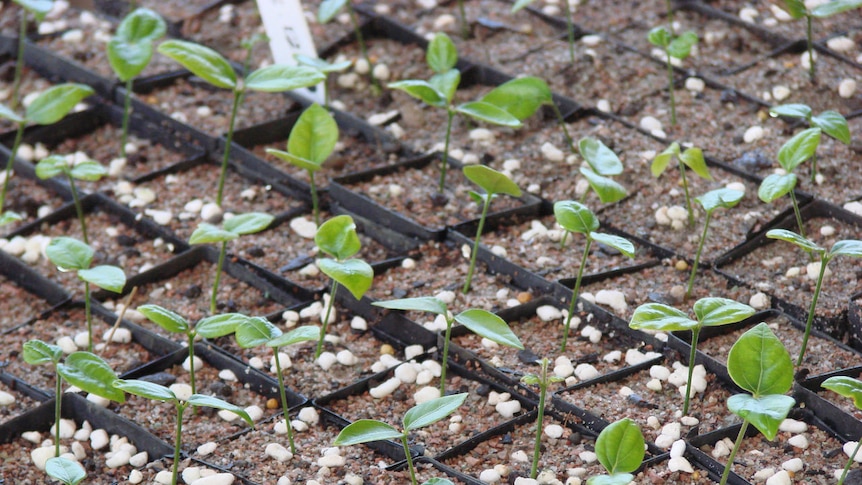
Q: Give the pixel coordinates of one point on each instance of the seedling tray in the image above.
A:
(20, 283)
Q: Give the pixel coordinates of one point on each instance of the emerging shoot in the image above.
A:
(851, 388)
(691, 158)
(674, 47)
(711, 201)
(88, 170)
(543, 380)
(620, 450)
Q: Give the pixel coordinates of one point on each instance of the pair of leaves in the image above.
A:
(256, 331)
(231, 229)
(337, 237)
(845, 247)
(709, 312)
(620, 449)
(677, 47)
(51, 106)
(797, 9)
(831, 122)
(603, 163)
(691, 158)
(131, 48)
(775, 186)
(70, 254)
(720, 198)
(157, 392)
(209, 327)
(84, 370)
(576, 217)
(54, 165)
(311, 140)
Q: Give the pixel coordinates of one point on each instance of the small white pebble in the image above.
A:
(654, 385)
(227, 375)
(695, 84)
(326, 360)
(798, 441)
(552, 153)
(650, 124)
(780, 478)
(847, 88)
(426, 394)
(764, 474)
(408, 263)
(793, 426)
(753, 134)
(381, 72)
(508, 409)
(679, 464)
(780, 92)
(278, 452)
(207, 448)
(841, 44)
(759, 301)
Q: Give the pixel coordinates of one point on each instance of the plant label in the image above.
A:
(288, 34)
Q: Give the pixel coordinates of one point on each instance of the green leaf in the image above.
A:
(200, 400)
(69, 254)
(680, 47)
(37, 8)
(792, 110)
(89, 170)
(441, 54)
(255, 331)
(146, 389)
(51, 166)
(693, 159)
(491, 180)
(601, 159)
(354, 274)
(167, 319)
(88, 372)
(281, 77)
(521, 97)
(488, 113)
(10, 115)
(328, 9)
(219, 325)
(608, 190)
(487, 325)
(793, 238)
(421, 304)
(8, 217)
(421, 90)
(321, 64)
(801, 147)
(446, 84)
(37, 352)
(620, 447)
(718, 198)
(141, 25)
(56, 102)
(833, 124)
(337, 237)
(847, 247)
(202, 61)
(765, 412)
(659, 37)
(480, 198)
(429, 412)
(531, 379)
(68, 471)
(105, 276)
(207, 233)
(575, 217)
(663, 159)
(615, 479)
(521, 4)
(662, 318)
(796, 8)
(713, 312)
(305, 333)
(249, 223)
(847, 387)
(833, 7)
(131, 49)
(621, 244)
(775, 186)
(314, 135)
(364, 431)
(759, 363)
(438, 481)
(294, 160)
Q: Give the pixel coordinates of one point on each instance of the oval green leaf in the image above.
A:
(88, 372)
(663, 159)
(659, 37)
(521, 97)
(89, 170)
(314, 135)
(248, 223)
(146, 389)
(619, 243)
(441, 55)
(575, 217)
(202, 61)
(281, 77)
(833, 124)
(364, 431)
(105, 276)
(847, 247)
(713, 312)
(200, 400)
(601, 159)
(491, 180)
(255, 331)
(328, 9)
(69, 254)
(37, 352)
(720, 198)
(680, 47)
(662, 318)
(429, 412)
(219, 325)
(608, 190)
(354, 274)
(793, 110)
(51, 166)
(294, 160)
(488, 113)
(759, 363)
(167, 319)
(321, 64)
(420, 90)
(207, 233)
(446, 84)
(131, 49)
(801, 147)
(337, 237)
(420, 304)
(490, 326)
(775, 186)
(833, 7)
(620, 447)
(56, 102)
(765, 412)
(68, 471)
(38, 8)
(305, 333)
(847, 387)
(693, 159)
(796, 8)
(795, 239)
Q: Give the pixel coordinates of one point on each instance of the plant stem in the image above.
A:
(9, 163)
(669, 5)
(363, 51)
(89, 316)
(670, 91)
(445, 161)
(814, 168)
(695, 334)
(283, 396)
(687, 196)
(178, 442)
(465, 29)
(410, 466)
(58, 406)
(19, 61)
(78, 208)
(697, 255)
(563, 239)
(540, 417)
(562, 122)
(575, 291)
(824, 260)
(237, 99)
(192, 368)
(445, 359)
(849, 462)
(733, 452)
(810, 48)
(219, 266)
(325, 321)
(127, 109)
(570, 31)
(314, 207)
(476, 243)
(798, 214)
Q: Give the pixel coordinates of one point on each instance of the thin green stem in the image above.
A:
(178, 442)
(669, 6)
(192, 368)
(476, 243)
(563, 239)
(570, 31)
(78, 208)
(237, 100)
(670, 91)
(814, 168)
(88, 314)
(127, 110)
(697, 255)
(575, 291)
(315, 209)
(19, 62)
(445, 162)
(283, 396)
(733, 452)
(849, 462)
(565, 129)
(9, 163)
(824, 261)
(465, 29)
(543, 391)
(363, 50)
(325, 322)
(410, 466)
(811, 73)
(58, 406)
(445, 358)
(695, 334)
(798, 214)
(687, 196)
(219, 267)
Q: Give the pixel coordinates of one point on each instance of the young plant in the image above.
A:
(68, 472)
(711, 201)
(417, 417)
(213, 68)
(210, 327)
(231, 229)
(797, 9)
(804, 144)
(325, 67)
(602, 163)
(674, 48)
(483, 323)
(327, 11)
(759, 363)
(88, 170)
(38, 9)
(570, 25)
(70, 254)
(709, 312)
(48, 108)
(691, 158)
(847, 247)
(852, 388)
(493, 183)
(575, 217)
(256, 331)
(620, 450)
(129, 53)
(157, 392)
(543, 380)
(312, 140)
(337, 237)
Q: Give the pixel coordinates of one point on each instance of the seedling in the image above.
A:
(213, 68)
(852, 388)
(157, 392)
(493, 183)
(483, 323)
(797, 9)
(570, 25)
(417, 417)
(337, 237)
(38, 9)
(691, 158)
(48, 108)
(711, 201)
(70, 254)
(759, 364)
(674, 48)
(231, 229)
(847, 247)
(543, 380)
(709, 312)
(575, 217)
(327, 11)
(88, 170)
(312, 140)
(602, 163)
(209, 327)
(256, 331)
(620, 450)
(325, 67)
(67, 471)
(129, 53)
(804, 144)
(248, 44)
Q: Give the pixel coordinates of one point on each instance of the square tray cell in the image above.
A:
(226, 27)
(19, 305)
(30, 199)
(32, 83)
(21, 403)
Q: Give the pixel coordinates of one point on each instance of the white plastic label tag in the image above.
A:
(287, 29)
